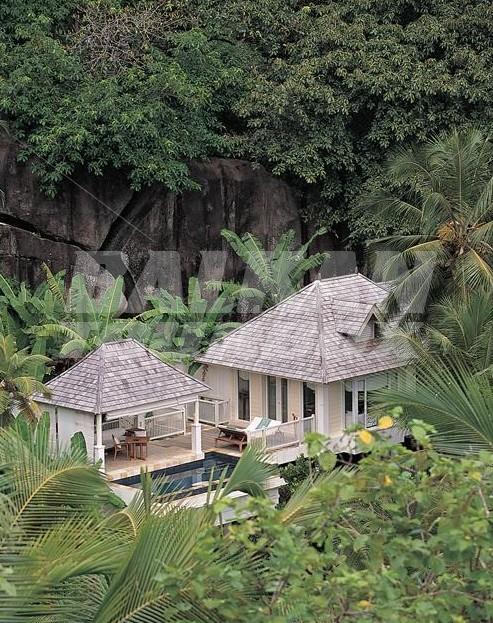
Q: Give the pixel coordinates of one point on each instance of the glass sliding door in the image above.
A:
(284, 400)
(308, 399)
(359, 389)
(243, 395)
(277, 398)
(358, 398)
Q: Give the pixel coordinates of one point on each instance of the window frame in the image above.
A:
(355, 416)
(248, 379)
(281, 409)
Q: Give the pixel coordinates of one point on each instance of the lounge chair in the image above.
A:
(233, 432)
(236, 431)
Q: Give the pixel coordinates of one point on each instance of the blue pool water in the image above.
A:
(188, 479)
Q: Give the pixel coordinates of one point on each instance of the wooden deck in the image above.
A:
(166, 453)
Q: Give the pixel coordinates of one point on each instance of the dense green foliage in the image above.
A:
(66, 555)
(316, 91)
(271, 275)
(445, 199)
(19, 374)
(403, 536)
(179, 328)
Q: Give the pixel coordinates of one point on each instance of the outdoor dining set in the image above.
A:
(135, 442)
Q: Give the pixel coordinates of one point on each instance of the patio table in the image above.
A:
(137, 446)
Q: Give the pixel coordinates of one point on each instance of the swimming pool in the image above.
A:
(188, 479)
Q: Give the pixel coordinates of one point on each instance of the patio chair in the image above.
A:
(119, 446)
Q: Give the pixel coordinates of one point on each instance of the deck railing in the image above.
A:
(166, 424)
(282, 435)
(212, 411)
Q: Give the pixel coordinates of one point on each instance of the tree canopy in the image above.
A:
(316, 91)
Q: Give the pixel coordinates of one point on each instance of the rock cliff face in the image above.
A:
(100, 220)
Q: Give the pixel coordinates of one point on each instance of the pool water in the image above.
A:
(188, 479)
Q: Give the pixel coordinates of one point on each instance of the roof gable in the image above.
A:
(308, 335)
(118, 375)
(351, 317)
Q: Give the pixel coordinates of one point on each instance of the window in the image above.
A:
(348, 403)
(277, 398)
(358, 398)
(243, 395)
(271, 397)
(308, 399)
(284, 400)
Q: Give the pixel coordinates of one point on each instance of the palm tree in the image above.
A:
(278, 273)
(446, 206)
(72, 557)
(89, 322)
(451, 397)
(18, 380)
(458, 327)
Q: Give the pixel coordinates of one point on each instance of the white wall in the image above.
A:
(322, 409)
(222, 381)
(69, 423)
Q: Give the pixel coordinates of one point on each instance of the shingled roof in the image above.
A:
(120, 375)
(308, 336)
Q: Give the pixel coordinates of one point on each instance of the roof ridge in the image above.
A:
(99, 391)
(321, 333)
(375, 283)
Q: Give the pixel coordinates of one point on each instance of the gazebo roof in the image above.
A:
(120, 375)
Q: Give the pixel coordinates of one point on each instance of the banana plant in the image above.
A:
(185, 326)
(277, 273)
(89, 322)
(21, 309)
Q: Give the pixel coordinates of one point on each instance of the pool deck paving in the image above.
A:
(162, 453)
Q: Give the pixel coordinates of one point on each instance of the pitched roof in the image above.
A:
(302, 337)
(119, 375)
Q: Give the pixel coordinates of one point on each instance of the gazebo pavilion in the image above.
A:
(117, 386)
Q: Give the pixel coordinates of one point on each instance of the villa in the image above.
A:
(310, 363)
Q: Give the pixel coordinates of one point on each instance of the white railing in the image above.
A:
(211, 411)
(282, 435)
(166, 424)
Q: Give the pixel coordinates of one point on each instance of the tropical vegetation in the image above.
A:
(272, 275)
(179, 328)
(66, 553)
(20, 372)
(442, 194)
(405, 535)
(378, 114)
(318, 92)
